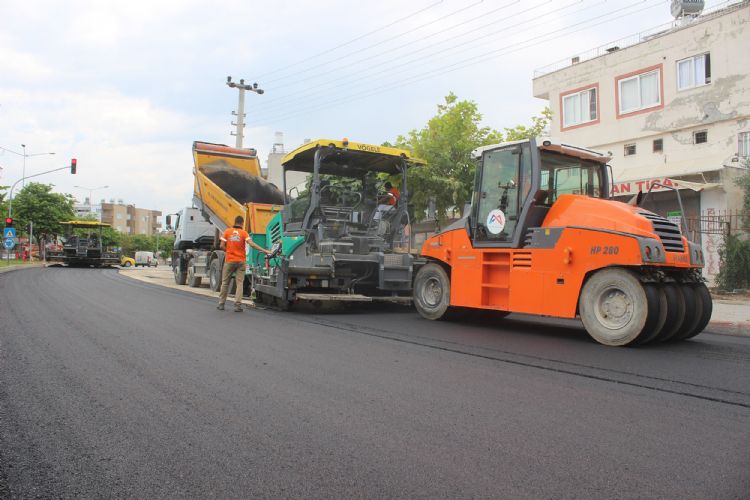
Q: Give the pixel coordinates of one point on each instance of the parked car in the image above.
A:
(145, 259)
(126, 261)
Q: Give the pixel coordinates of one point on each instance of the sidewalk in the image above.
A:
(731, 316)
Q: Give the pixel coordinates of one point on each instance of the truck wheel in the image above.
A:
(693, 310)
(616, 309)
(282, 305)
(432, 291)
(703, 297)
(193, 281)
(127, 264)
(675, 311)
(180, 277)
(214, 275)
(661, 320)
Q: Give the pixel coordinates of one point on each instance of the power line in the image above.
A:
(390, 51)
(516, 25)
(359, 52)
(328, 51)
(464, 63)
(323, 88)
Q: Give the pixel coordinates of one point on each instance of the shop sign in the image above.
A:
(675, 216)
(633, 187)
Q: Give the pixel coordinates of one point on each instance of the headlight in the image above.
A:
(696, 254)
(652, 250)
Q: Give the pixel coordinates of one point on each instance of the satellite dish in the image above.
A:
(682, 8)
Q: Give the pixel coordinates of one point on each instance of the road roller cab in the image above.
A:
(543, 237)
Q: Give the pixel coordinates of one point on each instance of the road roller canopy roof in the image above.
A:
(546, 144)
(349, 159)
(89, 224)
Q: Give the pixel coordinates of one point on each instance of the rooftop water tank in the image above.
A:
(682, 8)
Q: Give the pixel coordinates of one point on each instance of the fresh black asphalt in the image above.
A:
(110, 387)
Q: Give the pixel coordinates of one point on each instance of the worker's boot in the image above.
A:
(220, 307)
(238, 308)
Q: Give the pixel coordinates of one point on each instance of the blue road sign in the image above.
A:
(9, 243)
(9, 232)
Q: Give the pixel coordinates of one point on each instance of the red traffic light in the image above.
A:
(9, 221)
(73, 165)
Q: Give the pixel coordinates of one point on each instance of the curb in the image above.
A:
(734, 328)
(20, 266)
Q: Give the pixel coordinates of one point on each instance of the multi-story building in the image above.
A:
(130, 220)
(670, 106)
(88, 209)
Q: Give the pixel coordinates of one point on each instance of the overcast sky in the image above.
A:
(126, 87)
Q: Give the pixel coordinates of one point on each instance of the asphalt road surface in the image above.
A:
(111, 387)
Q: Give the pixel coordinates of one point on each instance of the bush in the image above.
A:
(734, 264)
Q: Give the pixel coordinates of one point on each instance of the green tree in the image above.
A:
(131, 243)
(37, 203)
(743, 182)
(3, 200)
(734, 254)
(446, 143)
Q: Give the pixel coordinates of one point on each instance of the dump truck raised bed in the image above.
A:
(340, 236)
(83, 246)
(227, 184)
(542, 237)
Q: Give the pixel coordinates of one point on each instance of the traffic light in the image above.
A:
(9, 222)
(73, 165)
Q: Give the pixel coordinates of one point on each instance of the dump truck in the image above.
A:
(340, 236)
(83, 246)
(542, 237)
(227, 183)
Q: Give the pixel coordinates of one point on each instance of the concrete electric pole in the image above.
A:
(240, 113)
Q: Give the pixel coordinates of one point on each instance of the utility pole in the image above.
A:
(240, 113)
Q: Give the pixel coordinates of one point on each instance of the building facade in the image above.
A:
(130, 220)
(88, 209)
(672, 107)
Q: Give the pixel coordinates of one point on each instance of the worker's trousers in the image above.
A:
(238, 268)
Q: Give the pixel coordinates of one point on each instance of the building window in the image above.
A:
(694, 72)
(700, 136)
(118, 216)
(639, 92)
(579, 107)
(629, 149)
(743, 151)
(658, 145)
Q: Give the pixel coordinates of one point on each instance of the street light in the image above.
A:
(23, 146)
(91, 190)
(10, 196)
